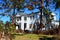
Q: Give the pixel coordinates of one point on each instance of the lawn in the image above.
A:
(30, 36)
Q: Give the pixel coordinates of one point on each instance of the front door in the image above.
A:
(24, 26)
(17, 26)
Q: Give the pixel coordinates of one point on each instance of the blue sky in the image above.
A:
(6, 18)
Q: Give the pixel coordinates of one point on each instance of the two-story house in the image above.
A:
(29, 21)
(25, 21)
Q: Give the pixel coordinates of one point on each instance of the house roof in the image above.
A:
(53, 13)
(22, 14)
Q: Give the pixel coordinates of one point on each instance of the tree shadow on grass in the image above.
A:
(48, 38)
(12, 36)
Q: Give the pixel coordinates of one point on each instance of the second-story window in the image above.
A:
(20, 18)
(25, 18)
(33, 17)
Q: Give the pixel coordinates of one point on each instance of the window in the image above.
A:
(33, 17)
(25, 18)
(30, 25)
(20, 18)
(30, 17)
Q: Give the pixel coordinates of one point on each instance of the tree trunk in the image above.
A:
(41, 11)
(59, 20)
(13, 16)
(40, 19)
(0, 35)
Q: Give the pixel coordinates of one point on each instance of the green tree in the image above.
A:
(57, 6)
(7, 27)
(49, 17)
(12, 4)
(57, 3)
(12, 28)
(1, 28)
(43, 10)
(41, 6)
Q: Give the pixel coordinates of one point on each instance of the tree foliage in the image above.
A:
(1, 26)
(57, 3)
(7, 27)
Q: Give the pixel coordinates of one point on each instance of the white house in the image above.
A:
(54, 20)
(24, 21)
(27, 21)
(54, 16)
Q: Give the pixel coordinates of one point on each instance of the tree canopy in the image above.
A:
(19, 5)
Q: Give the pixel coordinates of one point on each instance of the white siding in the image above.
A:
(22, 21)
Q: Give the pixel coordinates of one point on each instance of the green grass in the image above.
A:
(30, 36)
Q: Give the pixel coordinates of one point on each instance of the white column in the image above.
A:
(22, 22)
(28, 23)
